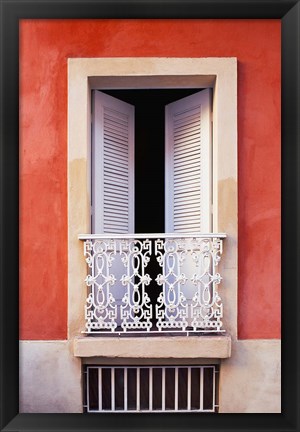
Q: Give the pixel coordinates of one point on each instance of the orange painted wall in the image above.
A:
(45, 46)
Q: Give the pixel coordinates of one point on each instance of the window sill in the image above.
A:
(154, 347)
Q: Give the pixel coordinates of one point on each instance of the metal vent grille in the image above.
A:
(150, 389)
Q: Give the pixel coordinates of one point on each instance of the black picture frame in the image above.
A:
(289, 13)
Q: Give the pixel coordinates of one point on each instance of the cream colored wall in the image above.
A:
(250, 380)
(49, 378)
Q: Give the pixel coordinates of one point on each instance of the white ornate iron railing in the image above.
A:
(153, 283)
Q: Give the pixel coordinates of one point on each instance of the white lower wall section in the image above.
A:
(50, 378)
(250, 381)
(51, 382)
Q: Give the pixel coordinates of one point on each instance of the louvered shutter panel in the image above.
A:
(112, 165)
(188, 164)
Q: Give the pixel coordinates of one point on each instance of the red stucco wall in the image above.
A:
(45, 46)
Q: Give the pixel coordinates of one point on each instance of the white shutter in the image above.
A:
(112, 165)
(188, 164)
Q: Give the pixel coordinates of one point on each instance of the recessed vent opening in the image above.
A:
(151, 389)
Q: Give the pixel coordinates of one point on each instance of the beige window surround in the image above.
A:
(85, 74)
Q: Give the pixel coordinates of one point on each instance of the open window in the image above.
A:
(152, 281)
(185, 171)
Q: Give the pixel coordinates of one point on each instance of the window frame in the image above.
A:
(115, 73)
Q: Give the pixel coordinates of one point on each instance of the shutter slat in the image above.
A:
(113, 197)
(183, 219)
(181, 208)
(111, 139)
(113, 121)
(115, 165)
(115, 217)
(184, 227)
(117, 144)
(118, 180)
(187, 135)
(117, 133)
(184, 160)
(111, 135)
(193, 128)
(187, 112)
(111, 191)
(190, 149)
(186, 151)
(112, 154)
(187, 193)
(187, 184)
(191, 205)
(115, 211)
(182, 143)
(186, 121)
(184, 176)
(188, 126)
(187, 166)
(116, 185)
(114, 113)
(111, 171)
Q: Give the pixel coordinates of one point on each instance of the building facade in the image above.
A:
(102, 341)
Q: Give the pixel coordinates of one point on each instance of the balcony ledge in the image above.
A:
(160, 347)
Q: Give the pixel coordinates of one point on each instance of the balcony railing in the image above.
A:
(153, 283)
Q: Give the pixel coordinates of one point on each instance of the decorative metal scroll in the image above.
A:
(118, 298)
(100, 309)
(206, 307)
(171, 308)
(136, 310)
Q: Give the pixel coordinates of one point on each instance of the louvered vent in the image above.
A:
(116, 172)
(187, 170)
(151, 389)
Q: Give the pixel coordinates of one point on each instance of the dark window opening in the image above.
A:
(150, 152)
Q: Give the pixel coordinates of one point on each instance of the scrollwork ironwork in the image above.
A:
(118, 300)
